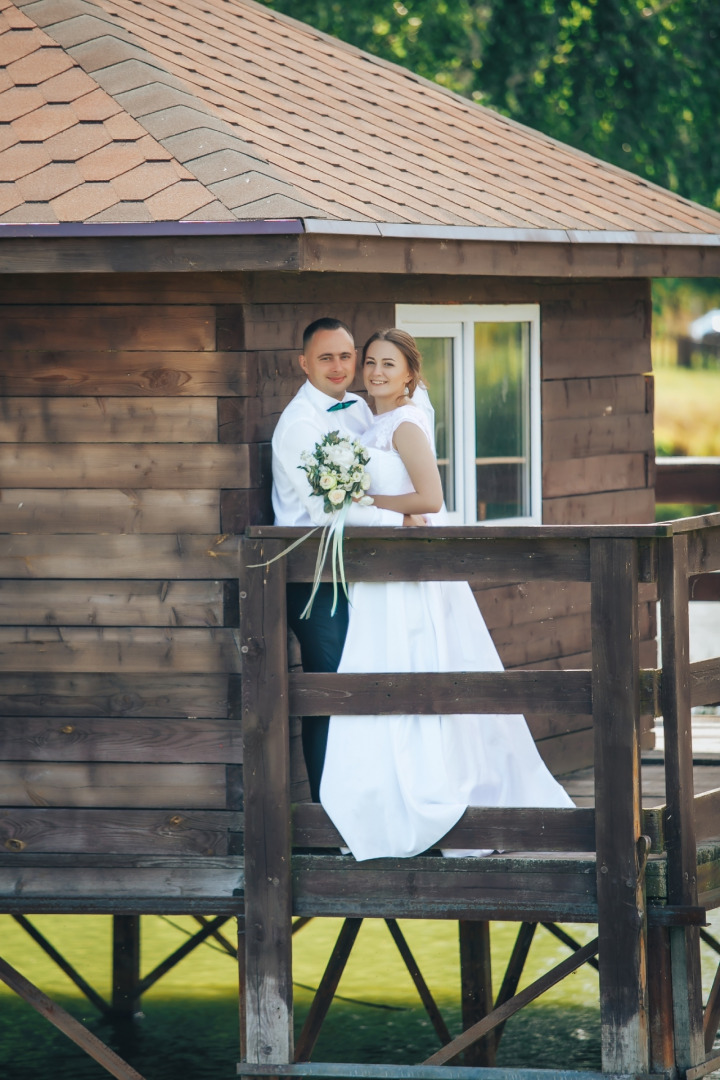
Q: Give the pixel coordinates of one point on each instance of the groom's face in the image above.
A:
(329, 362)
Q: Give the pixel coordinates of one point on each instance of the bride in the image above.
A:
(395, 785)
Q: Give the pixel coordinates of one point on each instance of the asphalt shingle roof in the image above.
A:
(146, 110)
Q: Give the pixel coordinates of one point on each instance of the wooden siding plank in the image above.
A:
(594, 397)
(593, 438)
(159, 373)
(586, 475)
(202, 832)
(280, 326)
(602, 356)
(96, 419)
(112, 603)
(614, 507)
(108, 326)
(136, 465)
(132, 649)
(148, 557)
(521, 647)
(43, 510)
(100, 739)
(137, 785)
(111, 695)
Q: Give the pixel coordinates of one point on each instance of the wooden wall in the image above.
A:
(143, 404)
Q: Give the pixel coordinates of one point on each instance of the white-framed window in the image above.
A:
(482, 367)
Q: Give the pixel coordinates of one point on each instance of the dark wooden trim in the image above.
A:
(138, 254)
(616, 719)
(267, 839)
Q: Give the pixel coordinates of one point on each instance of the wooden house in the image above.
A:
(183, 187)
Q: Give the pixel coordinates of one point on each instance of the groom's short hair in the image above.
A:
(322, 324)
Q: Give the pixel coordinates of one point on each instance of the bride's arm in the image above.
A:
(418, 458)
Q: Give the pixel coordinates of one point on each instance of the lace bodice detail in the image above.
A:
(387, 471)
(381, 431)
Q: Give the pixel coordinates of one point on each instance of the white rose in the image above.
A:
(366, 500)
(366, 481)
(341, 455)
(328, 481)
(336, 496)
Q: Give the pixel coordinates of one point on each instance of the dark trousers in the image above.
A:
(321, 638)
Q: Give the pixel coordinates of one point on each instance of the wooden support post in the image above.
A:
(620, 886)
(662, 1042)
(679, 817)
(266, 750)
(125, 967)
(476, 988)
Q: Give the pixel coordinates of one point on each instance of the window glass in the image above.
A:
(501, 419)
(437, 354)
(482, 369)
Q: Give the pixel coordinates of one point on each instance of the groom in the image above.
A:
(322, 404)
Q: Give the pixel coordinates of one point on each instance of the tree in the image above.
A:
(635, 82)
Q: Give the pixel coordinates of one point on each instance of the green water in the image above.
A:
(190, 1027)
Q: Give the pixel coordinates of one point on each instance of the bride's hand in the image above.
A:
(414, 519)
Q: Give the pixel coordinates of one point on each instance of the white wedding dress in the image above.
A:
(395, 785)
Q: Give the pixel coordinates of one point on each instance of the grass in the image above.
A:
(687, 406)
(190, 1018)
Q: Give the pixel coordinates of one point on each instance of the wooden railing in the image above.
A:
(614, 691)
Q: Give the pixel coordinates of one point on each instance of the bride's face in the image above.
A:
(386, 373)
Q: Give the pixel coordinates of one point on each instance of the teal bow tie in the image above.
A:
(342, 405)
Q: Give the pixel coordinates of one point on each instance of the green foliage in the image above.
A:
(634, 82)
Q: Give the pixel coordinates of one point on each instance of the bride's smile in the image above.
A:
(386, 375)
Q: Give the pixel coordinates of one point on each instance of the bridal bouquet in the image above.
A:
(336, 471)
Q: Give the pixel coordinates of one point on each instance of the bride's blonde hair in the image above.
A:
(406, 344)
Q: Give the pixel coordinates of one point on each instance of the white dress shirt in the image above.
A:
(302, 425)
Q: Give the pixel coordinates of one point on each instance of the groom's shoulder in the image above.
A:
(299, 409)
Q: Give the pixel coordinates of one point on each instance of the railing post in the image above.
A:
(680, 823)
(266, 781)
(620, 886)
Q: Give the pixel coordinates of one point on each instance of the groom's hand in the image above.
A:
(414, 519)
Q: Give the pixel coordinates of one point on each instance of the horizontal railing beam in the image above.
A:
(705, 682)
(539, 691)
(441, 692)
(507, 828)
